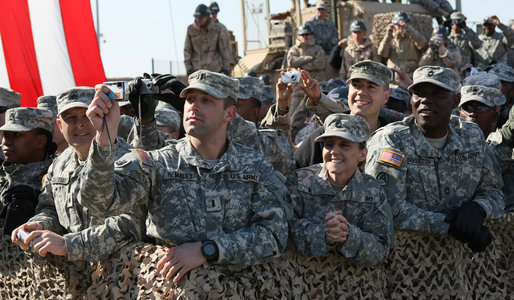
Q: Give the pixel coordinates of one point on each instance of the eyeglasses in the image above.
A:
(480, 108)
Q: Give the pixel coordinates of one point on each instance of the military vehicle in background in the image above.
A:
(282, 29)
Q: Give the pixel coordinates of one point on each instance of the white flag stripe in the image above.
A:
(4, 77)
(50, 45)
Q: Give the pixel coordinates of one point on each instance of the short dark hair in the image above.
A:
(229, 101)
(50, 146)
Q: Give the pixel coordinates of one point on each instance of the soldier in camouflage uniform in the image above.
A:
(332, 207)
(62, 225)
(325, 31)
(441, 51)
(402, 44)
(209, 199)
(494, 44)
(249, 98)
(464, 38)
(506, 75)
(206, 45)
(507, 143)
(438, 173)
(310, 57)
(28, 149)
(215, 9)
(357, 49)
(50, 103)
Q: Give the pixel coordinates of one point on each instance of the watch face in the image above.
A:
(209, 250)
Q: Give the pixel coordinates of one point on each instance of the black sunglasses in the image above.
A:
(475, 108)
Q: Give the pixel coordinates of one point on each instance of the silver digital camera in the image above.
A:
(22, 235)
(120, 90)
(291, 77)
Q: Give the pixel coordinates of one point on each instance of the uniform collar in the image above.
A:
(230, 160)
(425, 149)
(321, 184)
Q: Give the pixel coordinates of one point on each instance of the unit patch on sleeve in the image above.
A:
(144, 157)
(392, 157)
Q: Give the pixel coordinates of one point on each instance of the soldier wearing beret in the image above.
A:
(28, 149)
(332, 209)
(209, 199)
(437, 172)
(62, 225)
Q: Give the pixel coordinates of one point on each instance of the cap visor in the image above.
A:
(343, 135)
(434, 82)
(476, 98)
(72, 105)
(16, 127)
(367, 77)
(204, 88)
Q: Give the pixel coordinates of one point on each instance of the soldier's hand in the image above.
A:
(467, 224)
(181, 259)
(283, 91)
(496, 20)
(170, 88)
(29, 226)
(142, 105)
(403, 79)
(102, 106)
(45, 241)
(310, 86)
(480, 242)
(343, 43)
(336, 227)
(390, 28)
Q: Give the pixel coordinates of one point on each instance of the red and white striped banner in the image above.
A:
(47, 46)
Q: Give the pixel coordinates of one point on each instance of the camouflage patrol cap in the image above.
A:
(9, 98)
(214, 7)
(250, 87)
(201, 11)
(321, 6)
(75, 97)
(442, 77)
(401, 95)
(357, 25)
(372, 71)
(167, 117)
(348, 127)
(215, 84)
(457, 15)
(28, 118)
(506, 73)
(48, 103)
(486, 79)
(486, 95)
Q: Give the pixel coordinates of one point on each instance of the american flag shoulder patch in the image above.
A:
(144, 157)
(392, 157)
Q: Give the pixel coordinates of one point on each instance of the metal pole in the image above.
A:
(171, 67)
(153, 71)
(458, 5)
(268, 19)
(244, 25)
(299, 20)
(98, 24)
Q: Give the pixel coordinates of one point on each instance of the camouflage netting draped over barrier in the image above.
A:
(422, 23)
(26, 275)
(419, 266)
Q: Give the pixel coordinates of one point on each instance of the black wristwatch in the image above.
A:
(210, 250)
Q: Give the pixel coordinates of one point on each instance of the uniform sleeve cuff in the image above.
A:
(350, 247)
(74, 246)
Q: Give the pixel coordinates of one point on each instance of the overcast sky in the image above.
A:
(135, 31)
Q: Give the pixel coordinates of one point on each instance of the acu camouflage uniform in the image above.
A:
(355, 53)
(237, 201)
(402, 50)
(89, 236)
(423, 184)
(366, 210)
(363, 203)
(206, 49)
(494, 48)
